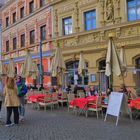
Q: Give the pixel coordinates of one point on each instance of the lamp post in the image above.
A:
(41, 66)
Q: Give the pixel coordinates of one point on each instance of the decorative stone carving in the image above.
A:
(118, 32)
(56, 22)
(102, 35)
(102, 11)
(86, 2)
(109, 10)
(66, 9)
(76, 15)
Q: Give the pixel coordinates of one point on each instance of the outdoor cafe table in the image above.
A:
(35, 97)
(82, 102)
(135, 104)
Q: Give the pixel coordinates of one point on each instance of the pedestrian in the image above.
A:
(1, 95)
(22, 90)
(11, 101)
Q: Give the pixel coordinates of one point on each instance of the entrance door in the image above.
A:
(73, 77)
(103, 79)
(138, 75)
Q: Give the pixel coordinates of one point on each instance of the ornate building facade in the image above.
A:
(75, 26)
(85, 25)
(26, 23)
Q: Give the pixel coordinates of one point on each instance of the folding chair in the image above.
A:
(96, 107)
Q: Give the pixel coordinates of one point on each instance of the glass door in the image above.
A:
(73, 77)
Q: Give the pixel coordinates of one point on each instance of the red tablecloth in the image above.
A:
(82, 102)
(35, 97)
(135, 103)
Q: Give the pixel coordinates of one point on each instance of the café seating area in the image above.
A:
(78, 104)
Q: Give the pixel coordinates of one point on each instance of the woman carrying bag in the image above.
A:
(11, 101)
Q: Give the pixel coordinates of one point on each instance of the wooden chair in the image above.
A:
(70, 98)
(55, 99)
(47, 101)
(132, 94)
(96, 107)
(81, 95)
(63, 99)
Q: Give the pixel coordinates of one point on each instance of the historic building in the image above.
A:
(1, 4)
(26, 23)
(86, 25)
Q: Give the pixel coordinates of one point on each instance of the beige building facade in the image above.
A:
(74, 33)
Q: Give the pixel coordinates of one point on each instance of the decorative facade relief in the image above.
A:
(131, 31)
(82, 40)
(83, 3)
(118, 32)
(56, 22)
(109, 10)
(102, 7)
(66, 9)
(76, 16)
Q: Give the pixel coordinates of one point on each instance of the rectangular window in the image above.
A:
(14, 17)
(7, 46)
(7, 21)
(133, 8)
(90, 20)
(22, 12)
(43, 32)
(31, 7)
(32, 37)
(22, 40)
(42, 3)
(14, 43)
(67, 26)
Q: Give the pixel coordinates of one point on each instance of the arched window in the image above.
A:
(73, 77)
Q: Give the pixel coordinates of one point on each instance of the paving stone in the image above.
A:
(61, 125)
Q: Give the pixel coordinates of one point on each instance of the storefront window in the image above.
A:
(73, 77)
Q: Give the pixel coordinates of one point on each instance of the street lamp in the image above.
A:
(41, 66)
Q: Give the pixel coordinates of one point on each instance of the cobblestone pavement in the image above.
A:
(61, 125)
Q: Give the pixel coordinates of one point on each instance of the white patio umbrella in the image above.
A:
(1, 67)
(58, 64)
(112, 60)
(82, 64)
(11, 69)
(22, 71)
(123, 62)
(28, 68)
(34, 74)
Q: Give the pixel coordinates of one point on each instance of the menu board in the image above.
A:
(115, 102)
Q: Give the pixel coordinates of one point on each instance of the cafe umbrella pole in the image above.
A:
(41, 66)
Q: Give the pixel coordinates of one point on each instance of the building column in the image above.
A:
(37, 36)
(26, 36)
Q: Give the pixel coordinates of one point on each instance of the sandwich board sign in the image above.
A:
(117, 103)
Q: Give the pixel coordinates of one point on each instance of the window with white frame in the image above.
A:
(90, 20)
(133, 10)
(67, 26)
